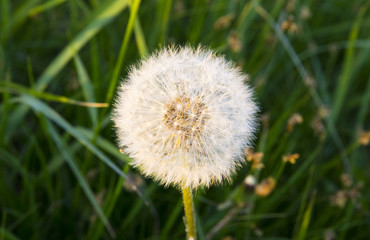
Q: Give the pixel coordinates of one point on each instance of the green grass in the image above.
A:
(62, 176)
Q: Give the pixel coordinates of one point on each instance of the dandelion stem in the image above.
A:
(189, 212)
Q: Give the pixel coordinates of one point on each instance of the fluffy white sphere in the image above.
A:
(185, 116)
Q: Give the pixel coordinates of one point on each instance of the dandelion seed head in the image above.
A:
(185, 116)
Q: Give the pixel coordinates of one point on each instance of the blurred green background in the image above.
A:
(62, 176)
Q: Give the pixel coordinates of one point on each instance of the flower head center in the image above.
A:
(186, 116)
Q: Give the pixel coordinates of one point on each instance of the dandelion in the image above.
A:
(289, 25)
(364, 138)
(292, 158)
(290, 6)
(223, 22)
(234, 42)
(318, 127)
(339, 199)
(264, 188)
(346, 179)
(255, 158)
(305, 13)
(329, 234)
(185, 116)
(295, 119)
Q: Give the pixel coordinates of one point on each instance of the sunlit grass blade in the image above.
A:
(5, 234)
(45, 6)
(163, 12)
(101, 19)
(13, 87)
(118, 67)
(140, 38)
(306, 220)
(345, 77)
(87, 87)
(119, 63)
(301, 226)
(104, 17)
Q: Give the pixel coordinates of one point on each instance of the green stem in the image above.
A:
(189, 213)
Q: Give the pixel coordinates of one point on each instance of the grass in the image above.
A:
(62, 176)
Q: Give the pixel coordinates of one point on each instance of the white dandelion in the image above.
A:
(185, 116)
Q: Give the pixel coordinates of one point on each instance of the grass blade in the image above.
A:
(304, 75)
(140, 38)
(45, 6)
(104, 144)
(5, 234)
(87, 87)
(64, 150)
(345, 77)
(9, 87)
(17, 19)
(306, 220)
(55, 117)
(122, 52)
(102, 19)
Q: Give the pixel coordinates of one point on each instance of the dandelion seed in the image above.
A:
(201, 115)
